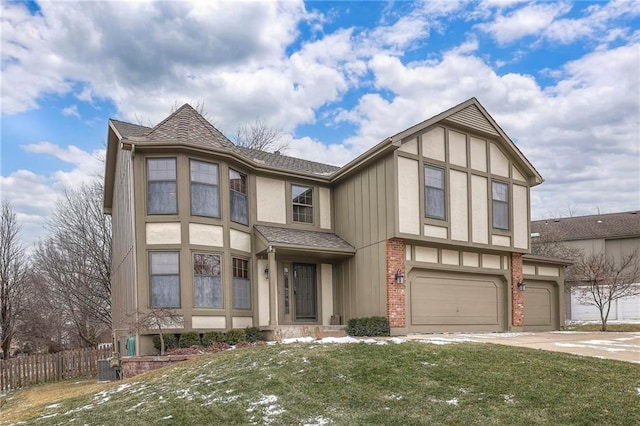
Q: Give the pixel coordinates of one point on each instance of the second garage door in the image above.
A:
(541, 306)
(445, 302)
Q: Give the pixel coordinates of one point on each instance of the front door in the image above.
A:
(304, 292)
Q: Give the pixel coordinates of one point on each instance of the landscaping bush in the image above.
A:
(368, 326)
(169, 341)
(253, 334)
(212, 337)
(189, 339)
(235, 336)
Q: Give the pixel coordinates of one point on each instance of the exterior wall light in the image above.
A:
(266, 272)
(521, 285)
(399, 277)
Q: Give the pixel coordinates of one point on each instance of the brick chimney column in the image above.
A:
(517, 296)
(396, 306)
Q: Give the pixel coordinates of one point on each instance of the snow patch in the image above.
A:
(167, 417)
(318, 421)
(269, 407)
(508, 399)
(393, 397)
(49, 407)
(453, 401)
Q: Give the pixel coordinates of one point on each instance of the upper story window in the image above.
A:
(500, 198)
(207, 282)
(434, 199)
(205, 194)
(164, 279)
(161, 186)
(241, 284)
(238, 196)
(302, 197)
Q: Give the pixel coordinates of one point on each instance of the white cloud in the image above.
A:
(529, 20)
(71, 110)
(34, 195)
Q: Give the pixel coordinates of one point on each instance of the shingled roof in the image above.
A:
(189, 126)
(128, 130)
(300, 238)
(612, 225)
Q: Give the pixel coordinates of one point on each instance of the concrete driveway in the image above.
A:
(609, 345)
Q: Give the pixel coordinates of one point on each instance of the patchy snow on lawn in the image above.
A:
(318, 421)
(453, 401)
(268, 406)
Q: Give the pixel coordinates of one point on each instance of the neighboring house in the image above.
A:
(428, 228)
(615, 235)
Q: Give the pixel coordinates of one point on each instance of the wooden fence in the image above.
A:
(33, 369)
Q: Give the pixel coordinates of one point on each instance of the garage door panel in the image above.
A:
(541, 306)
(537, 306)
(456, 303)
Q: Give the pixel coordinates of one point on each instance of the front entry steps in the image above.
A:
(279, 332)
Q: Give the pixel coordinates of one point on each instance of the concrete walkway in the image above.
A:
(607, 345)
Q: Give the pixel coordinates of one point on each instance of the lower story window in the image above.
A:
(207, 283)
(241, 284)
(164, 280)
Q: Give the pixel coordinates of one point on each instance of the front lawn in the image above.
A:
(353, 384)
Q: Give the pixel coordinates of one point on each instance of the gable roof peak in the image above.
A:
(188, 125)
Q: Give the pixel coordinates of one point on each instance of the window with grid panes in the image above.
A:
(241, 284)
(205, 195)
(302, 197)
(500, 197)
(164, 279)
(434, 199)
(161, 186)
(238, 197)
(207, 282)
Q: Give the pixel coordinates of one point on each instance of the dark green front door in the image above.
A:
(305, 292)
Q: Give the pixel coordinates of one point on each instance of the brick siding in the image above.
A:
(517, 296)
(396, 306)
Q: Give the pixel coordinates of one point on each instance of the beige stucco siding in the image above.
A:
(240, 240)
(204, 322)
(163, 233)
(241, 322)
(271, 200)
(499, 162)
(410, 146)
(325, 208)
(436, 231)
(479, 210)
(433, 144)
(263, 293)
(326, 279)
(206, 235)
(408, 196)
(515, 173)
(426, 254)
(478, 148)
(457, 148)
(520, 217)
(459, 206)
(501, 240)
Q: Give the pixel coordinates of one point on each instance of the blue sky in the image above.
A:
(561, 78)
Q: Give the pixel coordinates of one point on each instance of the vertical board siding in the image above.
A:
(364, 209)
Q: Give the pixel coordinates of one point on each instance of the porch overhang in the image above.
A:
(301, 242)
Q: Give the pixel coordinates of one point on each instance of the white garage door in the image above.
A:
(455, 302)
(624, 309)
(541, 306)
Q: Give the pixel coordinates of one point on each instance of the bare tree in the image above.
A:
(549, 244)
(75, 260)
(260, 136)
(600, 280)
(13, 275)
(155, 319)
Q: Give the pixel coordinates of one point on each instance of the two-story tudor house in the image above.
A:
(429, 228)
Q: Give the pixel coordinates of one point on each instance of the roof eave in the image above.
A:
(369, 156)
